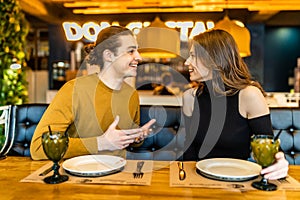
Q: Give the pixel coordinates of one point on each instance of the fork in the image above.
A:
(138, 173)
(283, 180)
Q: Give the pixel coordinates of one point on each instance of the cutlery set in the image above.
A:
(138, 172)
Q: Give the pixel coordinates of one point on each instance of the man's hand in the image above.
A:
(114, 139)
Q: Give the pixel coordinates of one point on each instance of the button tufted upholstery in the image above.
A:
(167, 140)
(288, 121)
(24, 121)
(167, 144)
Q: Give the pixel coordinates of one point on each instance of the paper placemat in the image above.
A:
(125, 177)
(193, 179)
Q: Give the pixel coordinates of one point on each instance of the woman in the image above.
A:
(227, 107)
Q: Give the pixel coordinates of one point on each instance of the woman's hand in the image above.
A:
(278, 170)
(146, 130)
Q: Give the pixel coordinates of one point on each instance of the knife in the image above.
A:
(46, 171)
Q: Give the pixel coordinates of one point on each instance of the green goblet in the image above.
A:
(55, 145)
(264, 149)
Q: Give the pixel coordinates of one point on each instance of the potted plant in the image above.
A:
(14, 29)
(13, 85)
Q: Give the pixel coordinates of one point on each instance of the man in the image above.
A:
(100, 110)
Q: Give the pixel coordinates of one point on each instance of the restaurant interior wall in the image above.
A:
(37, 48)
(59, 50)
(269, 63)
(255, 62)
(282, 48)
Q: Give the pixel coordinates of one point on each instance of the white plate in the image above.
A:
(94, 165)
(228, 169)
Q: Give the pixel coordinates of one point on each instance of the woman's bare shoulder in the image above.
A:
(189, 93)
(252, 102)
(188, 101)
(251, 92)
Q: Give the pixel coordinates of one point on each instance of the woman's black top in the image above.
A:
(216, 129)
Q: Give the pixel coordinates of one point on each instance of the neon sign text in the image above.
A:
(90, 30)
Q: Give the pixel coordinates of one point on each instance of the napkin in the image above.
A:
(193, 179)
(125, 177)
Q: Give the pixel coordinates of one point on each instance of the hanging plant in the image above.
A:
(14, 29)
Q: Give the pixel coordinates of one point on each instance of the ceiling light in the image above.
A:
(240, 34)
(158, 41)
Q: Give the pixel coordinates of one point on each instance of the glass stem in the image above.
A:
(264, 181)
(55, 169)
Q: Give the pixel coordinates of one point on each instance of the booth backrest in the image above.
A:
(164, 144)
(24, 119)
(286, 122)
(167, 140)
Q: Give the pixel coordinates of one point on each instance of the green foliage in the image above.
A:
(14, 29)
(14, 88)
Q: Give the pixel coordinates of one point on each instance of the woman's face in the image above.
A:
(198, 72)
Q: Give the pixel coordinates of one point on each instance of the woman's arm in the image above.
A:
(253, 106)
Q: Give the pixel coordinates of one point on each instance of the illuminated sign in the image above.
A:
(90, 30)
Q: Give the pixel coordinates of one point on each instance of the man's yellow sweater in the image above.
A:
(88, 107)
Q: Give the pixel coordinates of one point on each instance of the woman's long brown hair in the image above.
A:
(218, 51)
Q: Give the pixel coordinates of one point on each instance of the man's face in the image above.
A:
(126, 59)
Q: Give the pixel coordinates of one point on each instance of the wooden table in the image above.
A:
(13, 169)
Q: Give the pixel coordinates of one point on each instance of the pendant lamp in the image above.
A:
(158, 41)
(240, 34)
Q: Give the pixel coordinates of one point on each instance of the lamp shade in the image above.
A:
(158, 41)
(240, 34)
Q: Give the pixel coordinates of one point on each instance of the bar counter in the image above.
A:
(273, 99)
(14, 169)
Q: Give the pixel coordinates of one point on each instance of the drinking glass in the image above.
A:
(55, 145)
(264, 148)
